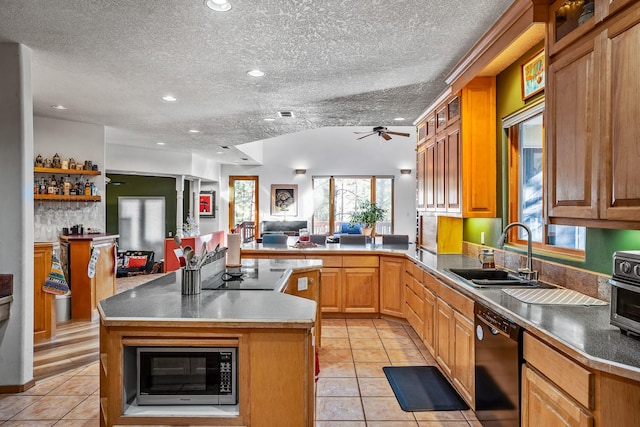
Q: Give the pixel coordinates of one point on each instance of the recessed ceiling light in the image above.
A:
(218, 5)
(58, 107)
(269, 119)
(161, 143)
(169, 98)
(219, 152)
(255, 73)
(194, 131)
(399, 119)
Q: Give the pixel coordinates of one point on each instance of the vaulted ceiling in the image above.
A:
(329, 62)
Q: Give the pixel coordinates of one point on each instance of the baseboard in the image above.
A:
(6, 389)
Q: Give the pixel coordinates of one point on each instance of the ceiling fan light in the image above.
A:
(218, 5)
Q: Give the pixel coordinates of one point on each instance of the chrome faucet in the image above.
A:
(527, 272)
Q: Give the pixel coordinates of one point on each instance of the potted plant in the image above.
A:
(367, 214)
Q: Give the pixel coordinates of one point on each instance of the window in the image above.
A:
(526, 186)
(141, 222)
(335, 198)
(243, 203)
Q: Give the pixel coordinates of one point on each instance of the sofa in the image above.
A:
(132, 263)
(290, 228)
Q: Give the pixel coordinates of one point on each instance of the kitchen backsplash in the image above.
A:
(51, 217)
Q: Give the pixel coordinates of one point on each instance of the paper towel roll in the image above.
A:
(233, 253)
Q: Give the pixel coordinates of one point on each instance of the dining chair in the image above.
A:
(275, 239)
(353, 240)
(319, 239)
(395, 239)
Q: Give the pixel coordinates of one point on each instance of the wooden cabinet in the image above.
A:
(87, 291)
(306, 284)
(464, 357)
(429, 331)
(444, 336)
(543, 404)
(572, 137)
(392, 271)
(44, 314)
(360, 290)
(331, 292)
(460, 158)
(421, 176)
(592, 149)
(414, 308)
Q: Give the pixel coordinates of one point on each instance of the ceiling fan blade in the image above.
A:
(385, 136)
(366, 135)
(398, 133)
(368, 131)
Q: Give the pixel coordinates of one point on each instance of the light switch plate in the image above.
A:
(303, 284)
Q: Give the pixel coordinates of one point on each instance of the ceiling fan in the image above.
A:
(383, 132)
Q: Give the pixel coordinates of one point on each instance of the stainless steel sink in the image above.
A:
(497, 278)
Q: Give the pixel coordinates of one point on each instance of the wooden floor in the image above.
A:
(76, 343)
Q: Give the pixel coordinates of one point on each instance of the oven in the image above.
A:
(625, 291)
(187, 376)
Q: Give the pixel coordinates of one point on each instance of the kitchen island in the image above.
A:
(272, 329)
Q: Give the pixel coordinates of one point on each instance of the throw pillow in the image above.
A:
(136, 261)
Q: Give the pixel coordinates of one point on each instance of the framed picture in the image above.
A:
(284, 199)
(532, 77)
(206, 203)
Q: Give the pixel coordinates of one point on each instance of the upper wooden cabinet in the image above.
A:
(457, 164)
(592, 148)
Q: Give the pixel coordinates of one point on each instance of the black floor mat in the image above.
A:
(423, 388)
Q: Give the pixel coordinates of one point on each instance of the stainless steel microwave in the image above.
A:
(187, 376)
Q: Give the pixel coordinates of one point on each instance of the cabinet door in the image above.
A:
(429, 333)
(421, 131)
(444, 336)
(464, 357)
(572, 134)
(620, 111)
(331, 290)
(392, 286)
(543, 404)
(44, 316)
(452, 170)
(440, 173)
(360, 290)
(430, 176)
(421, 176)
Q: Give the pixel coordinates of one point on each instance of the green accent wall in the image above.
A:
(143, 186)
(600, 243)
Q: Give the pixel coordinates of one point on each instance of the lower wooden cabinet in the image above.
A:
(360, 290)
(429, 329)
(544, 404)
(331, 290)
(464, 357)
(392, 270)
(444, 336)
(44, 314)
(310, 291)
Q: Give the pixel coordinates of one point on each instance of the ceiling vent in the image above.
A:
(285, 114)
(224, 147)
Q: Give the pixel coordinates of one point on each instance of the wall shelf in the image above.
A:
(63, 198)
(66, 171)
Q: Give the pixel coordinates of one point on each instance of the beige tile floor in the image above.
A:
(352, 390)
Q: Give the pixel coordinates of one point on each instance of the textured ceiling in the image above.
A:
(330, 62)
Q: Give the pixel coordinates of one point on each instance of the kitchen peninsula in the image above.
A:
(271, 322)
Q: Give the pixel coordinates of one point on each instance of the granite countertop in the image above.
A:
(583, 332)
(160, 302)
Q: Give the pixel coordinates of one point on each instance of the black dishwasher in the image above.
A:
(498, 352)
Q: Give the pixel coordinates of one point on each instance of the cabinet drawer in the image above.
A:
(578, 382)
(414, 320)
(417, 272)
(360, 261)
(415, 302)
(456, 300)
(328, 260)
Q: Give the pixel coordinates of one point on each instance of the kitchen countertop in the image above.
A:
(161, 301)
(582, 332)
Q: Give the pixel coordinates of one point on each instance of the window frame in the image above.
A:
(510, 126)
(372, 195)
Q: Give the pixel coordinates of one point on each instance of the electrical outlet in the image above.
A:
(303, 284)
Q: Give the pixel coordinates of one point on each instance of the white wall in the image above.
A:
(331, 151)
(82, 141)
